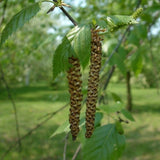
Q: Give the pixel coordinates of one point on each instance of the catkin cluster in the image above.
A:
(75, 83)
(96, 53)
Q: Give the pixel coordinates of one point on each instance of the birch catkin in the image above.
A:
(75, 85)
(96, 53)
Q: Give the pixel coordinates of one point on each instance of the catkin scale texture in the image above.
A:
(75, 85)
(93, 80)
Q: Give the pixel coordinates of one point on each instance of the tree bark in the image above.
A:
(129, 94)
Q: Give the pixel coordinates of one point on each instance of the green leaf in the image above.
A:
(61, 129)
(76, 43)
(133, 38)
(64, 128)
(119, 61)
(119, 127)
(105, 144)
(116, 97)
(81, 44)
(117, 21)
(137, 63)
(102, 23)
(153, 8)
(98, 118)
(112, 108)
(60, 58)
(18, 20)
(139, 32)
(127, 114)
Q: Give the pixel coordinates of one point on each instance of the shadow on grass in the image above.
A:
(142, 144)
(153, 108)
(146, 150)
(46, 97)
(39, 146)
(37, 93)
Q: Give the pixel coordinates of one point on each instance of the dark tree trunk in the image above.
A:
(129, 95)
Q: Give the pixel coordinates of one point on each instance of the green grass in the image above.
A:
(142, 136)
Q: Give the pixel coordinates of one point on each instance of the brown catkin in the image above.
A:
(96, 53)
(75, 85)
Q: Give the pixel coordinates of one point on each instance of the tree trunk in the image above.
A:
(129, 95)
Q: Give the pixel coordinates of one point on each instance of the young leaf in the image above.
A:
(81, 44)
(64, 128)
(76, 43)
(18, 20)
(61, 129)
(136, 14)
(105, 144)
(127, 114)
(117, 21)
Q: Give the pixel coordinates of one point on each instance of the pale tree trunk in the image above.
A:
(129, 95)
(27, 77)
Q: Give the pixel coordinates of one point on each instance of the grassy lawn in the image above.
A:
(142, 136)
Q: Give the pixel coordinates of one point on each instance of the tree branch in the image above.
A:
(110, 73)
(76, 153)
(116, 48)
(67, 14)
(65, 146)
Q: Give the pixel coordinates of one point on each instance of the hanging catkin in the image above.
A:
(96, 53)
(75, 83)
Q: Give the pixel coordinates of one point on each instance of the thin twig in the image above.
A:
(110, 73)
(116, 48)
(13, 105)
(65, 146)
(48, 114)
(69, 16)
(32, 130)
(77, 151)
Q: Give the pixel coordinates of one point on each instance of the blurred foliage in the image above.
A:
(27, 55)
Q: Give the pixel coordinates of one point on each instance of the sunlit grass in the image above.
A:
(142, 136)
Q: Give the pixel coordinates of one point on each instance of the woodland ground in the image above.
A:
(142, 136)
